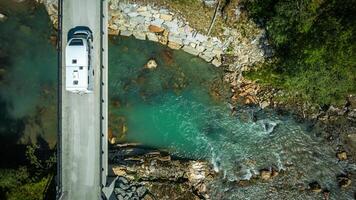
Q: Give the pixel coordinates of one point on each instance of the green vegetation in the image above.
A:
(315, 47)
(28, 182)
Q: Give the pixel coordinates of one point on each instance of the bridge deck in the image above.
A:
(83, 118)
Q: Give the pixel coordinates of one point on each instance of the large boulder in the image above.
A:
(151, 64)
(155, 29)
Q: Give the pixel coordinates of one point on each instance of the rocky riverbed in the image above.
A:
(151, 174)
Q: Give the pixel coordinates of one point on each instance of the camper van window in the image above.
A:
(74, 61)
(75, 82)
(80, 67)
(76, 42)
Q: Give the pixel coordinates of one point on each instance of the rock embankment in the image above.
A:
(163, 26)
(158, 175)
(233, 48)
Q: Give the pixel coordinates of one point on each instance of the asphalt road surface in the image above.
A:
(81, 122)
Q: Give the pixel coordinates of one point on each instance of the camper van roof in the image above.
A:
(76, 53)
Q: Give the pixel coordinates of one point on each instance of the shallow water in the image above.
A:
(179, 106)
(191, 123)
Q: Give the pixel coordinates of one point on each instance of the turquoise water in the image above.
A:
(179, 106)
(31, 59)
(173, 107)
(28, 74)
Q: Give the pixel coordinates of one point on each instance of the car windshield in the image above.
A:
(76, 42)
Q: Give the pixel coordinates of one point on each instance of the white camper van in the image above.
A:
(79, 72)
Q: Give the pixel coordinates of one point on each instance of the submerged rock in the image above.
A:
(344, 181)
(268, 125)
(315, 187)
(342, 155)
(267, 174)
(151, 64)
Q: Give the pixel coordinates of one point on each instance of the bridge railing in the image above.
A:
(59, 103)
(103, 93)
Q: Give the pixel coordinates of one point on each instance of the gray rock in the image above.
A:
(127, 10)
(141, 191)
(175, 39)
(119, 191)
(129, 194)
(146, 14)
(142, 28)
(171, 26)
(216, 62)
(139, 35)
(152, 37)
(120, 197)
(200, 48)
(124, 186)
(157, 22)
(126, 33)
(185, 42)
(190, 50)
(137, 20)
(200, 37)
(142, 9)
(207, 55)
(164, 11)
(210, 3)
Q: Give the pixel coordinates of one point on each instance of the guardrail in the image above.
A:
(59, 103)
(103, 94)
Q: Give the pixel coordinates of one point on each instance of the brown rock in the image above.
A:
(53, 39)
(342, 155)
(266, 174)
(148, 197)
(264, 104)
(155, 29)
(174, 45)
(243, 183)
(113, 32)
(119, 171)
(113, 140)
(163, 40)
(274, 173)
